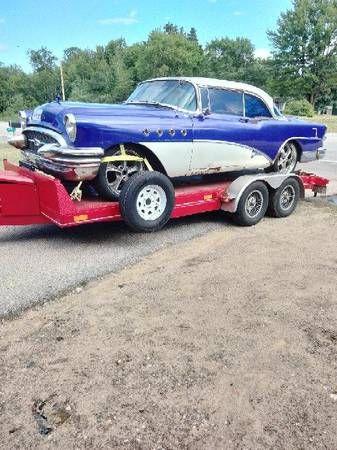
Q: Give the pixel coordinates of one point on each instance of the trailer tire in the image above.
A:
(252, 205)
(146, 201)
(283, 201)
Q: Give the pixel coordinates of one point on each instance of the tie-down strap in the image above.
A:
(125, 157)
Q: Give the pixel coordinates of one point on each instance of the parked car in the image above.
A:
(177, 126)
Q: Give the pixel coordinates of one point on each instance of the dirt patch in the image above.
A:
(227, 341)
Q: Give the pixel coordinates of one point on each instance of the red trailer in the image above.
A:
(149, 200)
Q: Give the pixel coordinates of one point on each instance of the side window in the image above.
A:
(226, 102)
(255, 107)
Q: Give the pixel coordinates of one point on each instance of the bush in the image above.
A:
(299, 108)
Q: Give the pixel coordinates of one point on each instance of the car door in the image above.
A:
(224, 139)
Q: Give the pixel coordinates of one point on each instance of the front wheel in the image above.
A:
(119, 164)
(146, 201)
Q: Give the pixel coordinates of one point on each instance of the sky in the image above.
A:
(58, 24)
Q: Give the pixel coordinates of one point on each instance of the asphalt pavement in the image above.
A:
(42, 262)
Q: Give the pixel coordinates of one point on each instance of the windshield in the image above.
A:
(176, 93)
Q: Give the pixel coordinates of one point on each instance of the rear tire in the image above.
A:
(146, 201)
(284, 200)
(252, 205)
(286, 159)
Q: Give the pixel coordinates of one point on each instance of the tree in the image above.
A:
(168, 55)
(229, 58)
(42, 59)
(192, 35)
(305, 49)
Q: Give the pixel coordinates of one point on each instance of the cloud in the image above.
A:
(2, 20)
(238, 13)
(3, 47)
(130, 19)
(263, 53)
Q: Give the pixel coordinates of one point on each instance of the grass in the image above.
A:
(329, 121)
(8, 152)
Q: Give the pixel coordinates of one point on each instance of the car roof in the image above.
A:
(235, 85)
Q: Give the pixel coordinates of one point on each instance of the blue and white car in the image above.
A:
(177, 126)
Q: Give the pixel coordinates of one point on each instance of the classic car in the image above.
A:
(177, 126)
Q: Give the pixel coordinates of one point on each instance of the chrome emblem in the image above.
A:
(36, 142)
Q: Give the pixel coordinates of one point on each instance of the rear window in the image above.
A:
(222, 101)
(255, 107)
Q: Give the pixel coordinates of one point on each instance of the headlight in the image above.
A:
(70, 125)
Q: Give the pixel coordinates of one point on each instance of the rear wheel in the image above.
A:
(286, 159)
(252, 205)
(147, 201)
(112, 175)
(284, 200)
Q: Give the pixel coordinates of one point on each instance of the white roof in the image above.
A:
(200, 81)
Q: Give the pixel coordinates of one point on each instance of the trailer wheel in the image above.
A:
(284, 200)
(147, 201)
(252, 205)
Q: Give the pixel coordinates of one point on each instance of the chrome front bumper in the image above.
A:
(68, 163)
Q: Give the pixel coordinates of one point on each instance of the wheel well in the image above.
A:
(148, 154)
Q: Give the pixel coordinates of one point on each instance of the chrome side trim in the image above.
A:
(234, 144)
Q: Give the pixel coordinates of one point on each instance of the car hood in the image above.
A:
(52, 114)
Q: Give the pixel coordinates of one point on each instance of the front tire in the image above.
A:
(113, 175)
(146, 201)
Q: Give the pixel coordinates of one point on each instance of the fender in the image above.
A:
(238, 186)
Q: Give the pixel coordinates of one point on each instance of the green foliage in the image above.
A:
(304, 63)
(305, 55)
(168, 54)
(299, 108)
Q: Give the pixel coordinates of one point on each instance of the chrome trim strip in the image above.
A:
(234, 144)
(70, 151)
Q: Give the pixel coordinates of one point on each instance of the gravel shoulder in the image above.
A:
(228, 340)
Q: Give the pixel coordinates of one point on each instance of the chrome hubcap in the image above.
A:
(254, 204)
(151, 202)
(117, 173)
(287, 159)
(287, 197)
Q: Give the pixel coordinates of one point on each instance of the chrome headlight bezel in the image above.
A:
(70, 126)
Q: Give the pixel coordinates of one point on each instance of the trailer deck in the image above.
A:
(31, 197)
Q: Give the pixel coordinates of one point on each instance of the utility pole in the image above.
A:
(62, 82)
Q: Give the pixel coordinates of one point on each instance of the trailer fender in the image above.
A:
(238, 186)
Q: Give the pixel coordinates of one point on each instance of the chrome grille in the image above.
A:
(36, 139)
